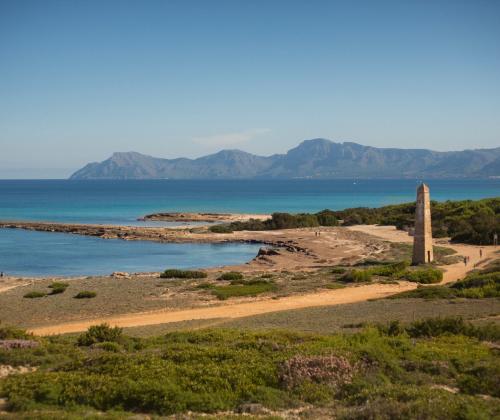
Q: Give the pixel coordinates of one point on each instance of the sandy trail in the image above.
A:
(237, 310)
(324, 298)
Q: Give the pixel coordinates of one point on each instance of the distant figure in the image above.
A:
(1, 273)
(480, 252)
(495, 239)
(465, 261)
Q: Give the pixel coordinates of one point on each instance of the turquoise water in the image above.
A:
(27, 253)
(122, 202)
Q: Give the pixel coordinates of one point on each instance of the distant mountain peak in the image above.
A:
(313, 158)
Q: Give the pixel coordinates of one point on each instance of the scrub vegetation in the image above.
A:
(477, 285)
(239, 288)
(183, 274)
(467, 221)
(437, 368)
(395, 271)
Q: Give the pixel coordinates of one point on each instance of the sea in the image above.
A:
(123, 202)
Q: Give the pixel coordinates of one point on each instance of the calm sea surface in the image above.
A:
(30, 253)
(122, 202)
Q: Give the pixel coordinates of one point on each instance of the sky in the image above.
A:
(80, 80)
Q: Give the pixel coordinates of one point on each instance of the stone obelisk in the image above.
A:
(422, 240)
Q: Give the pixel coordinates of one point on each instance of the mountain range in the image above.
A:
(317, 159)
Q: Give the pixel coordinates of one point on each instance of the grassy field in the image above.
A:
(433, 369)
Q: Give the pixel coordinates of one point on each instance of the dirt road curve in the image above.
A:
(239, 310)
(323, 298)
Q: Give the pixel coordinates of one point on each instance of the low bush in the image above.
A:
(231, 275)
(58, 287)
(102, 333)
(357, 276)
(13, 333)
(436, 327)
(430, 292)
(85, 294)
(338, 270)
(479, 285)
(224, 228)
(422, 276)
(109, 346)
(389, 270)
(34, 295)
(183, 274)
(241, 288)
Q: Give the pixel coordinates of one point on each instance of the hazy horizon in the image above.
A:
(83, 79)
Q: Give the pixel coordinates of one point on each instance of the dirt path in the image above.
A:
(237, 310)
(324, 298)
(453, 272)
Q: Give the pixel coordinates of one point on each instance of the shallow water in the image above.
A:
(122, 202)
(28, 253)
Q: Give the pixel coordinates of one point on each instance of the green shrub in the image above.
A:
(479, 285)
(338, 270)
(35, 295)
(388, 270)
(357, 276)
(423, 276)
(327, 218)
(58, 287)
(231, 275)
(183, 274)
(13, 333)
(430, 292)
(109, 346)
(240, 288)
(435, 327)
(102, 333)
(224, 228)
(85, 294)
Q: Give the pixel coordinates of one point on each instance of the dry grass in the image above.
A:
(330, 319)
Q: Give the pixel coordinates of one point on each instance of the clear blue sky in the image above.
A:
(82, 79)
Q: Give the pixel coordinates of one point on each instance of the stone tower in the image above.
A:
(422, 240)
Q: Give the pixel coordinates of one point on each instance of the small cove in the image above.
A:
(30, 253)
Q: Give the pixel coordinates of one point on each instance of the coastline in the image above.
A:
(290, 256)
